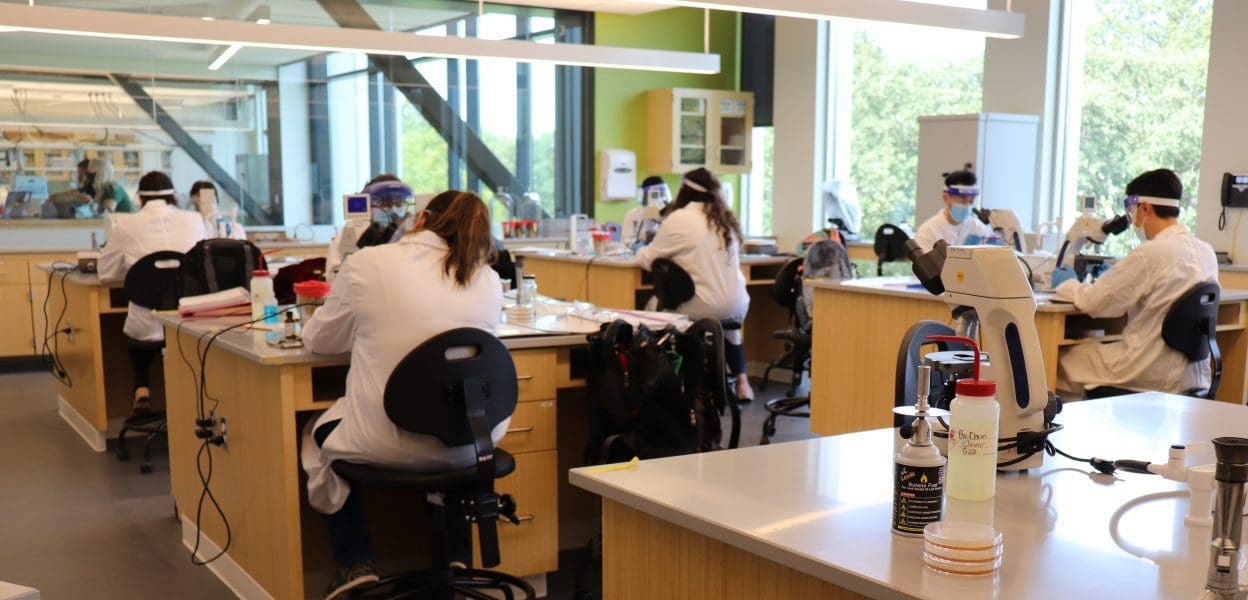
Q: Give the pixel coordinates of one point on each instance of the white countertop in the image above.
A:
(628, 260)
(909, 287)
(824, 506)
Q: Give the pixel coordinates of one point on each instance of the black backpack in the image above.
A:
(219, 264)
(660, 393)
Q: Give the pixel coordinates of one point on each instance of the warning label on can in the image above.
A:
(918, 494)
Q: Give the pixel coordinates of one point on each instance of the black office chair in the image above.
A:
(910, 356)
(1190, 328)
(890, 245)
(155, 282)
(505, 265)
(672, 285)
(787, 292)
(220, 264)
(459, 401)
(285, 279)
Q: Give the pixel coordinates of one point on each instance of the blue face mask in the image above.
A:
(960, 212)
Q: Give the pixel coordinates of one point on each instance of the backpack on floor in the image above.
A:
(658, 393)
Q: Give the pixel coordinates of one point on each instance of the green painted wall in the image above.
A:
(620, 96)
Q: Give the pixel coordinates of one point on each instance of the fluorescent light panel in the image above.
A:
(223, 55)
(190, 30)
(992, 23)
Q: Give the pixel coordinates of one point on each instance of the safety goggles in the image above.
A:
(1130, 202)
(964, 191)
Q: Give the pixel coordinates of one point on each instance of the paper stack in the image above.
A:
(234, 301)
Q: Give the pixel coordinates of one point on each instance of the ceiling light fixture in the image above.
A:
(991, 23)
(190, 30)
(223, 56)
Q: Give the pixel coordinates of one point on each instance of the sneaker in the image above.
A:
(349, 579)
(745, 393)
(142, 401)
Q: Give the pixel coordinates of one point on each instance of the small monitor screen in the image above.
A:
(356, 205)
(1241, 179)
(1089, 203)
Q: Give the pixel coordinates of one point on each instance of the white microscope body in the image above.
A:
(990, 280)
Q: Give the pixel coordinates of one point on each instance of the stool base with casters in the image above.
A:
(153, 425)
(798, 407)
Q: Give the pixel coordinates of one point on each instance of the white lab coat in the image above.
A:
(156, 227)
(386, 301)
(637, 221)
(236, 228)
(939, 228)
(1143, 285)
(688, 239)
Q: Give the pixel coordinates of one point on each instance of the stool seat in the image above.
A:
(429, 481)
(795, 335)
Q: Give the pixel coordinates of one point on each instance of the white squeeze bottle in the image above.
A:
(264, 303)
(973, 421)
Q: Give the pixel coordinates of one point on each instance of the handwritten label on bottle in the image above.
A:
(971, 443)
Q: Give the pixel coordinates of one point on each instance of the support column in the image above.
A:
(1222, 147)
(800, 123)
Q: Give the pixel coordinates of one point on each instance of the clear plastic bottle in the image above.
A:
(264, 304)
(973, 421)
(526, 298)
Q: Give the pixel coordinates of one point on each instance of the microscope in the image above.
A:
(991, 296)
(1225, 553)
(1088, 229)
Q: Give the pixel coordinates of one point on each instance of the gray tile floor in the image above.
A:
(77, 524)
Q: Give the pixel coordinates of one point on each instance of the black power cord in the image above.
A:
(50, 354)
(205, 424)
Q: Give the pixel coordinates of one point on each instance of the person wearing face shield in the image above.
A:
(390, 200)
(642, 221)
(955, 223)
(1143, 285)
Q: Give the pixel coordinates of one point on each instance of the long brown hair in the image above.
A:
(463, 220)
(717, 211)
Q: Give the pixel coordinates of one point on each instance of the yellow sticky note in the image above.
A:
(616, 467)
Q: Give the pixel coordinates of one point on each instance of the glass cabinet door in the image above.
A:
(692, 135)
(732, 132)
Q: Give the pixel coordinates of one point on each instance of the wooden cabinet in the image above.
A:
(16, 334)
(691, 128)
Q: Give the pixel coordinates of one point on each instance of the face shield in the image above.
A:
(656, 195)
(390, 200)
(967, 193)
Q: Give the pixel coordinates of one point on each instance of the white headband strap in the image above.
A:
(150, 193)
(693, 185)
(1160, 201)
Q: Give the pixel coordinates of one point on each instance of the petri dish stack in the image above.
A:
(962, 548)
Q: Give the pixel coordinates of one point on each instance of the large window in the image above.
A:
(1136, 98)
(896, 75)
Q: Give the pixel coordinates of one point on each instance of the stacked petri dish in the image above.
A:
(962, 548)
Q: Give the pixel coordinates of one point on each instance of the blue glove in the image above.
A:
(995, 240)
(972, 240)
(1061, 274)
(1100, 271)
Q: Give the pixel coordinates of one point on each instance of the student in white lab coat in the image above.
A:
(218, 223)
(1143, 286)
(390, 200)
(158, 225)
(642, 220)
(701, 235)
(386, 301)
(955, 223)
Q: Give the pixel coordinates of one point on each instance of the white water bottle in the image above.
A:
(264, 303)
(974, 417)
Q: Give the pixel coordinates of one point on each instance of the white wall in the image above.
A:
(799, 118)
(1226, 128)
(1020, 77)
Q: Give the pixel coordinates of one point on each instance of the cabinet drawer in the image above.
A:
(13, 271)
(532, 428)
(531, 547)
(537, 371)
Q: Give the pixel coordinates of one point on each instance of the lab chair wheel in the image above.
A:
(145, 468)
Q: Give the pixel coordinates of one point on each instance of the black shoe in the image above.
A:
(351, 578)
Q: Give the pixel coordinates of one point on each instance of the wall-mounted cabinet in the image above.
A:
(691, 128)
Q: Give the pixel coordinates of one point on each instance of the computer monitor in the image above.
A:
(37, 185)
(15, 203)
(355, 207)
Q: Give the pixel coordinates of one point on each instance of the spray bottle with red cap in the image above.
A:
(973, 421)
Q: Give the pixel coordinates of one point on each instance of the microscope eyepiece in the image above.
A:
(1232, 455)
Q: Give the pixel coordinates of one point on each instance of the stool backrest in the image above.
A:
(155, 281)
(430, 390)
(909, 357)
(220, 264)
(788, 285)
(1192, 321)
(672, 285)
